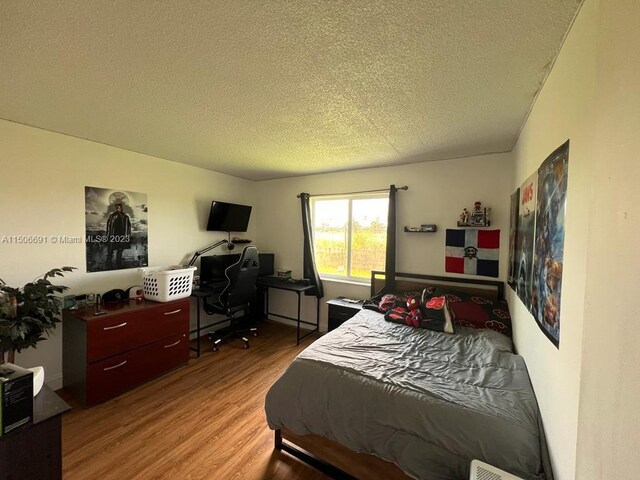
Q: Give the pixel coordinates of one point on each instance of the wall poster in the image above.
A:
(525, 239)
(115, 229)
(549, 245)
(513, 226)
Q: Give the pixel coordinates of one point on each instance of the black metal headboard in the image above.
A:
(408, 281)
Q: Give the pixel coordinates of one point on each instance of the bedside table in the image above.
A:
(341, 311)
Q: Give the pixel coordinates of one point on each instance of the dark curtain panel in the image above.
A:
(309, 262)
(390, 259)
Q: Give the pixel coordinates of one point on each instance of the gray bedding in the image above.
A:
(428, 401)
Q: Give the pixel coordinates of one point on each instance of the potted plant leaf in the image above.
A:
(30, 313)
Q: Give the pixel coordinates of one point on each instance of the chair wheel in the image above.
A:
(215, 349)
(246, 345)
(255, 334)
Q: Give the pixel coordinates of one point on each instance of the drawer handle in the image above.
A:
(122, 364)
(174, 312)
(173, 344)
(115, 326)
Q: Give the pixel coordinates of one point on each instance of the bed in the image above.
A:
(375, 396)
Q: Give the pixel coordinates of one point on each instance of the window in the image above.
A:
(350, 235)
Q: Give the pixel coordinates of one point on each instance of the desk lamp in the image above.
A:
(230, 246)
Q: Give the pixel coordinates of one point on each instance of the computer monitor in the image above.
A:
(266, 264)
(212, 267)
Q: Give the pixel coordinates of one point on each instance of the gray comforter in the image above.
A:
(429, 402)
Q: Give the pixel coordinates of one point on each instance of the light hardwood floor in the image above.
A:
(202, 421)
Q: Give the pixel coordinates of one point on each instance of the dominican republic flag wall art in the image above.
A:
(474, 252)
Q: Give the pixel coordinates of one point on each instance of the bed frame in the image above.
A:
(411, 281)
(336, 460)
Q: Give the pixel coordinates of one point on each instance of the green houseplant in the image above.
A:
(30, 313)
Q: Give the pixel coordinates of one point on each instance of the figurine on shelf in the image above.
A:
(479, 215)
(464, 217)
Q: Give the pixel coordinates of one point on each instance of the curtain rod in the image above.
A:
(354, 193)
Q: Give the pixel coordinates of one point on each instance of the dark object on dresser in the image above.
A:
(131, 343)
(115, 296)
(341, 310)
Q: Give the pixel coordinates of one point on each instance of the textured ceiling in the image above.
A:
(269, 89)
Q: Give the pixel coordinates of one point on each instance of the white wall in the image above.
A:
(42, 193)
(563, 110)
(438, 191)
(588, 389)
(609, 420)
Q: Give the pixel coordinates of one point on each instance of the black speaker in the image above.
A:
(114, 296)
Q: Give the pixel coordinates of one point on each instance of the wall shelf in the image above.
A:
(466, 225)
(421, 229)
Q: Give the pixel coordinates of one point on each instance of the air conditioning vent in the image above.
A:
(484, 471)
(484, 474)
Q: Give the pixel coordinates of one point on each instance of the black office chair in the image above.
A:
(236, 299)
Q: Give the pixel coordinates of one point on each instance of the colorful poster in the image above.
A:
(115, 229)
(549, 246)
(525, 239)
(513, 235)
(474, 252)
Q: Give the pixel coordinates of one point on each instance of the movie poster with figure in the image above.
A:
(115, 229)
(513, 236)
(549, 247)
(525, 237)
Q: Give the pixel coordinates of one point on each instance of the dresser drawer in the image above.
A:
(117, 333)
(109, 378)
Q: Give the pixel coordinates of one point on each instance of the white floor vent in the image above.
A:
(484, 471)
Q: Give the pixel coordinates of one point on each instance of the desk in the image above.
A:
(273, 282)
(35, 451)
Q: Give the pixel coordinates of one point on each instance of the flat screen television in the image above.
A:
(228, 217)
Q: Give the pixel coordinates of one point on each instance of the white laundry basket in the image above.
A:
(164, 284)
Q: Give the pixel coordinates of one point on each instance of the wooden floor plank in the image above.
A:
(202, 421)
